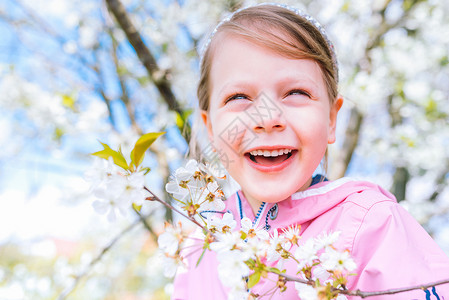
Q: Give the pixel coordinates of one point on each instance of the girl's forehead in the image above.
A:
(275, 40)
(232, 45)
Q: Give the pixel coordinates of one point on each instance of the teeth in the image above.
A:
(268, 153)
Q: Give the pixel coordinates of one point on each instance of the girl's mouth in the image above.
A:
(270, 158)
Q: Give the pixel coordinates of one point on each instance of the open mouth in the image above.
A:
(270, 157)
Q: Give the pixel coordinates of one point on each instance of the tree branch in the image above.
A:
(97, 259)
(394, 291)
(364, 294)
(143, 219)
(121, 80)
(169, 206)
(440, 183)
(158, 77)
(349, 144)
(351, 138)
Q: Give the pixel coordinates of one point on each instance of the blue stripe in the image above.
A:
(435, 293)
(427, 294)
(258, 213)
(212, 211)
(240, 206)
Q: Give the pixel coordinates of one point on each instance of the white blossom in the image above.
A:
(306, 292)
(169, 240)
(292, 233)
(325, 240)
(183, 186)
(216, 170)
(109, 204)
(247, 227)
(98, 174)
(171, 264)
(187, 172)
(246, 224)
(232, 268)
(131, 187)
(226, 242)
(321, 274)
(224, 224)
(333, 260)
(238, 293)
(277, 244)
(179, 193)
(211, 198)
(306, 254)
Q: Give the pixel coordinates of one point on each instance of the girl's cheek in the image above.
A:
(231, 131)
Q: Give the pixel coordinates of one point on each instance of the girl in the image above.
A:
(268, 97)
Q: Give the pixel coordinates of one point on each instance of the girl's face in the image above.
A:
(269, 118)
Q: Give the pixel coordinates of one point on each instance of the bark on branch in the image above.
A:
(350, 142)
(157, 76)
(351, 138)
(364, 294)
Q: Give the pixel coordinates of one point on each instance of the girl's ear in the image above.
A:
(206, 120)
(335, 107)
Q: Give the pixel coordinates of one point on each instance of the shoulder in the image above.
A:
(367, 194)
(359, 206)
(359, 195)
(347, 189)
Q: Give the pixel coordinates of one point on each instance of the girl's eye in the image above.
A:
(299, 92)
(237, 97)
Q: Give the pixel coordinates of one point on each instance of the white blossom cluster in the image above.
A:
(115, 188)
(243, 253)
(195, 190)
(170, 245)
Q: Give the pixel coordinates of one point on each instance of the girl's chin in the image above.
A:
(272, 196)
(273, 193)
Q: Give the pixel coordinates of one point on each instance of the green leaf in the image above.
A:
(143, 80)
(274, 270)
(181, 119)
(253, 279)
(68, 101)
(146, 170)
(117, 157)
(58, 133)
(444, 61)
(142, 145)
(137, 207)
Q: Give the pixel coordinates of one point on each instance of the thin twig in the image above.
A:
(365, 294)
(394, 291)
(97, 259)
(145, 224)
(292, 278)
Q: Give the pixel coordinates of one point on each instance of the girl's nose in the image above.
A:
(270, 125)
(267, 115)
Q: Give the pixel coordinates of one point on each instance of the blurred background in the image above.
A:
(76, 72)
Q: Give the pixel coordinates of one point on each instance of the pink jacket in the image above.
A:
(390, 248)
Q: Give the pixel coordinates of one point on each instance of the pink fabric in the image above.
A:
(390, 248)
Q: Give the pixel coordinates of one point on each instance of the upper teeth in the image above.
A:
(270, 153)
